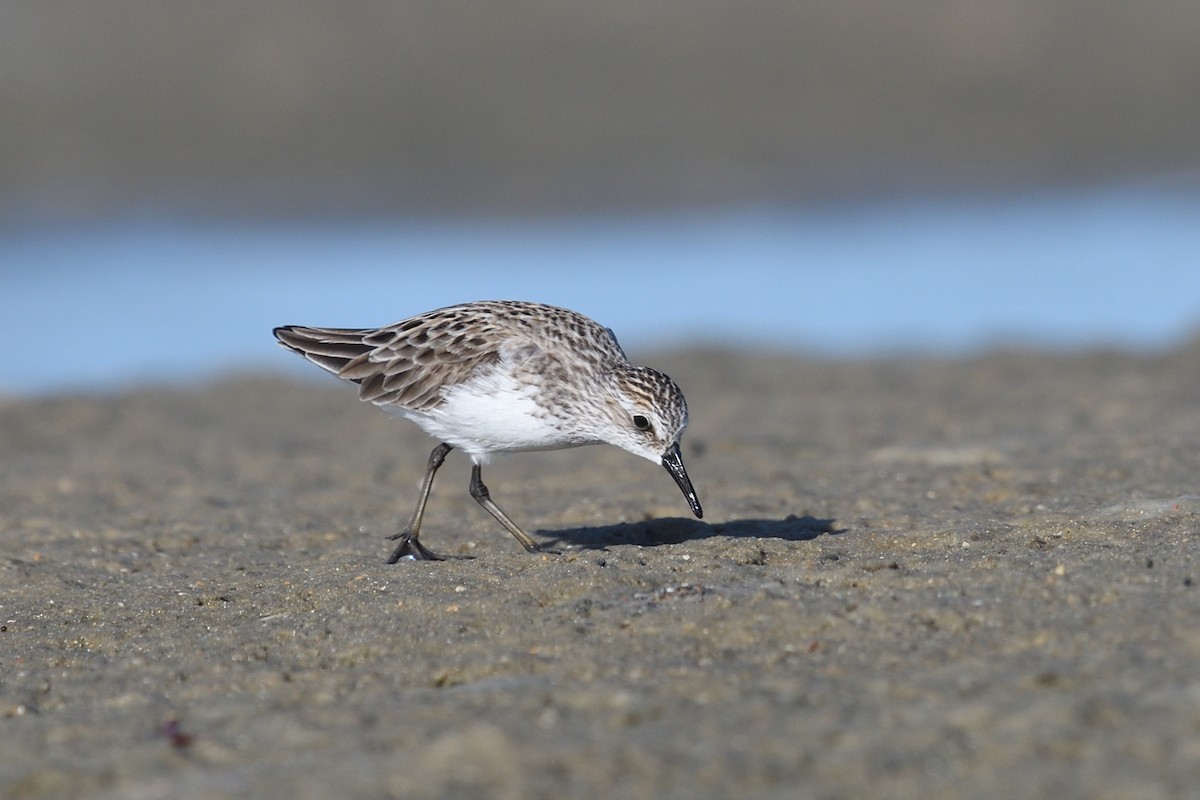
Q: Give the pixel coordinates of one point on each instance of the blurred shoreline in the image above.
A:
(849, 179)
(169, 300)
(523, 108)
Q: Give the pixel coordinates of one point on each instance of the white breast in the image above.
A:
(494, 413)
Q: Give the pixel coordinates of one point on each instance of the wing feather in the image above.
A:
(408, 364)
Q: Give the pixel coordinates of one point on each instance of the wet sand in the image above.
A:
(915, 579)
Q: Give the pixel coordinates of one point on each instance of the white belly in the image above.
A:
(496, 414)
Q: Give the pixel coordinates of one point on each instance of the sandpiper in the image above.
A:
(504, 376)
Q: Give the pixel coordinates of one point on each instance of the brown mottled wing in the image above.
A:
(408, 363)
(549, 328)
(405, 364)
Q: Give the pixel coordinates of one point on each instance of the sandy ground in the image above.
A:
(915, 579)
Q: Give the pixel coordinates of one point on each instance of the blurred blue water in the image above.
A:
(153, 300)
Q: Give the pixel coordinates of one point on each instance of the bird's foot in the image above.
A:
(411, 549)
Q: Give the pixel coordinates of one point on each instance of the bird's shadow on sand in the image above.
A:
(673, 530)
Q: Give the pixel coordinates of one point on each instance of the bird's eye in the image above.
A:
(641, 423)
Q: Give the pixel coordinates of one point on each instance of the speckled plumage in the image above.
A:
(504, 376)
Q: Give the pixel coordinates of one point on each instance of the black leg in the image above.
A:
(481, 495)
(409, 546)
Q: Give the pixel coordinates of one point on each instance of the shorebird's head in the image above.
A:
(650, 416)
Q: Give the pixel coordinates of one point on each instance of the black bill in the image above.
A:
(673, 461)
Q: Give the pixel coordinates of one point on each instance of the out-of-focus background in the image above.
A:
(839, 179)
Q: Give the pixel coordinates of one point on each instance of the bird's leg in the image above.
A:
(481, 495)
(409, 546)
